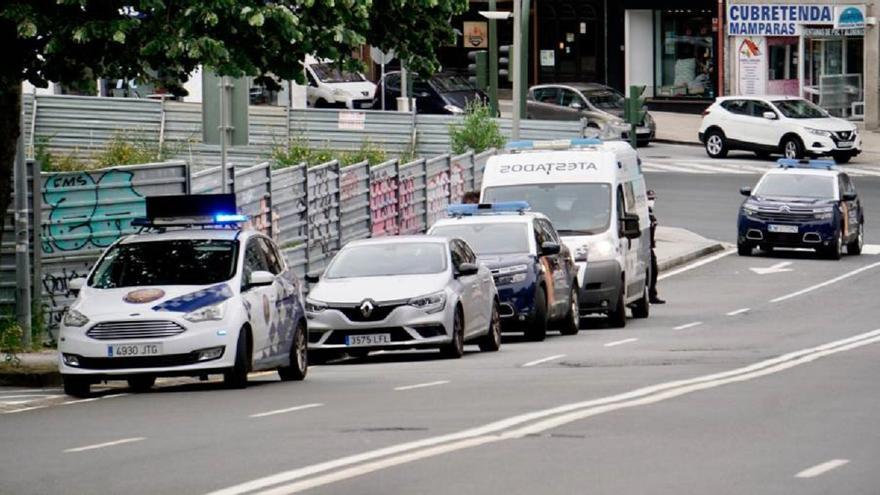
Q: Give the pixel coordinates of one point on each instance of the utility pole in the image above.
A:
(224, 133)
(22, 261)
(517, 69)
(493, 62)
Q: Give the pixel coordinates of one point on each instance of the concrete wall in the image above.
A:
(639, 55)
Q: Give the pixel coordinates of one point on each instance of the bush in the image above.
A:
(298, 150)
(125, 149)
(478, 131)
(369, 151)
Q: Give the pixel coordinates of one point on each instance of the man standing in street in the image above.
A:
(652, 287)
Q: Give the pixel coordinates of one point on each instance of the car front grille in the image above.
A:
(135, 329)
(355, 314)
(792, 215)
(845, 135)
(165, 361)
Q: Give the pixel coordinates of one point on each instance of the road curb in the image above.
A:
(676, 141)
(681, 259)
(25, 376)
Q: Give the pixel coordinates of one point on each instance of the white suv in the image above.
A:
(777, 124)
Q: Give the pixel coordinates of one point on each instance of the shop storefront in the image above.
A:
(816, 51)
(673, 51)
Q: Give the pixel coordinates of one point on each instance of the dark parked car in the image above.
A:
(601, 105)
(440, 94)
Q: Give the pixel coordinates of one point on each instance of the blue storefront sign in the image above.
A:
(787, 19)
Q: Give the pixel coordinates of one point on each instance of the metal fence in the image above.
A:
(310, 211)
(81, 126)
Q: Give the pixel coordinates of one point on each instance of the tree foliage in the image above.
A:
(67, 41)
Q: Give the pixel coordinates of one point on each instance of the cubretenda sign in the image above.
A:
(776, 19)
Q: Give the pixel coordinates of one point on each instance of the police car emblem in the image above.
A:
(141, 296)
(367, 308)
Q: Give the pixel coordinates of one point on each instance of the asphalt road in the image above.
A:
(742, 383)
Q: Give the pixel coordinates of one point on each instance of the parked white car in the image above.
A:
(331, 87)
(788, 125)
(404, 292)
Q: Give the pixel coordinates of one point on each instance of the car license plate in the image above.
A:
(133, 350)
(371, 339)
(845, 144)
(783, 229)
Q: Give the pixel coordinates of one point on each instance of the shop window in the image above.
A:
(684, 53)
(783, 60)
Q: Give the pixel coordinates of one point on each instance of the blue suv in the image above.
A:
(802, 204)
(533, 271)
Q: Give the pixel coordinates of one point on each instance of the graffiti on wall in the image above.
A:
(383, 203)
(88, 210)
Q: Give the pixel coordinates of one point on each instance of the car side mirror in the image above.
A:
(75, 285)
(850, 196)
(575, 105)
(745, 191)
(770, 115)
(466, 269)
(631, 227)
(550, 248)
(312, 278)
(260, 278)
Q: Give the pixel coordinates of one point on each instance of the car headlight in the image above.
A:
(431, 303)
(454, 109)
(73, 318)
(649, 120)
(208, 313)
(602, 250)
(313, 306)
(750, 210)
(619, 125)
(819, 132)
(823, 213)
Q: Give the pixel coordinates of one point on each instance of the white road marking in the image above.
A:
(871, 249)
(739, 311)
(543, 420)
(769, 270)
(688, 325)
(826, 283)
(697, 264)
(22, 396)
(821, 468)
(656, 167)
(106, 444)
(25, 409)
(287, 410)
(422, 385)
(542, 360)
(620, 342)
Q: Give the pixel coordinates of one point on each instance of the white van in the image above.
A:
(594, 193)
(331, 87)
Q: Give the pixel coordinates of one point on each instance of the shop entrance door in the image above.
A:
(834, 74)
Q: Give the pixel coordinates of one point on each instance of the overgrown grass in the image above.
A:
(298, 150)
(124, 148)
(478, 131)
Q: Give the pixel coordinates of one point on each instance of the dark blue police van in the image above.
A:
(802, 204)
(533, 271)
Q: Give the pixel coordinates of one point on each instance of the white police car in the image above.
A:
(192, 296)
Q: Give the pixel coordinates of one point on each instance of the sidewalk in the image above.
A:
(682, 128)
(675, 247)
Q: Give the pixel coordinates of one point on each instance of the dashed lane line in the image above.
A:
(104, 445)
(543, 360)
(738, 311)
(620, 342)
(422, 385)
(688, 325)
(820, 469)
(286, 410)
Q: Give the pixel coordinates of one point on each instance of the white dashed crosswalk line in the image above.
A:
(656, 167)
(871, 249)
(861, 171)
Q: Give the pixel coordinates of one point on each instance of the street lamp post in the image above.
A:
(493, 16)
(517, 69)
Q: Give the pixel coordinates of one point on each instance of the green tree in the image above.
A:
(67, 41)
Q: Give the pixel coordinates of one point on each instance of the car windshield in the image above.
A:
(605, 99)
(489, 238)
(449, 83)
(796, 185)
(177, 262)
(332, 74)
(378, 260)
(800, 109)
(575, 209)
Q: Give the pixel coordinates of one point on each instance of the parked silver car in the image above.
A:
(404, 292)
(601, 105)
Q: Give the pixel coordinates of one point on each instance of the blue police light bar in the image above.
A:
(466, 210)
(556, 144)
(190, 209)
(813, 164)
